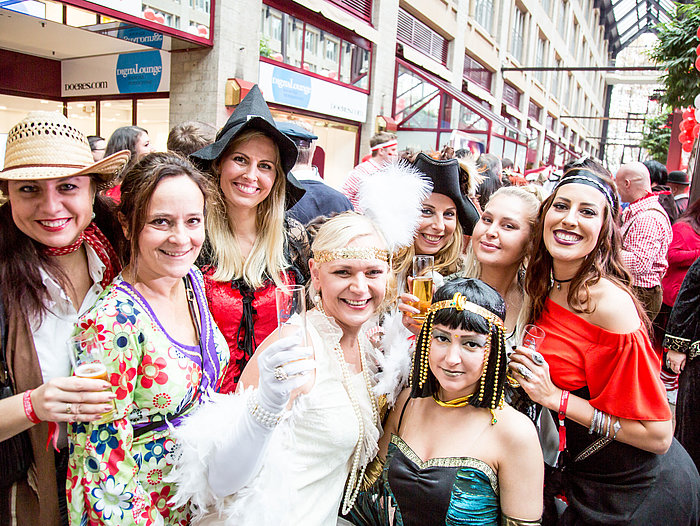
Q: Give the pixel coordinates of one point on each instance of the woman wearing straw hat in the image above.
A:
(253, 247)
(54, 262)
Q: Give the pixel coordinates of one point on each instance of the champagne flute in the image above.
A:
(291, 320)
(422, 286)
(87, 357)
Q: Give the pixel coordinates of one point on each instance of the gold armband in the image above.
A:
(372, 473)
(510, 521)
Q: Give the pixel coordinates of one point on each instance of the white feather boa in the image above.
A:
(198, 437)
(395, 359)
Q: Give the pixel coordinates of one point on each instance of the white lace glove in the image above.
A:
(235, 463)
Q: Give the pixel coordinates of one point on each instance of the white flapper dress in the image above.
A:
(310, 454)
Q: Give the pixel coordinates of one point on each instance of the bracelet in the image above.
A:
(29, 407)
(563, 404)
(616, 427)
(262, 416)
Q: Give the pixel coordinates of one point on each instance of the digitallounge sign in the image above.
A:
(142, 72)
(295, 89)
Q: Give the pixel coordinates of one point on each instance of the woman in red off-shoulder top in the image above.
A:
(600, 373)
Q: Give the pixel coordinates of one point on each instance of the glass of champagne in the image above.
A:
(291, 319)
(87, 356)
(422, 286)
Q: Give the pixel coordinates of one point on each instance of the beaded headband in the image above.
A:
(589, 180)
(425, 337)
(366, 253)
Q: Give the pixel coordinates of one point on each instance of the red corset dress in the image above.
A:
(245, 317)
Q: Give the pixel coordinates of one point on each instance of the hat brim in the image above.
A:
(106, 170)
(205, 157)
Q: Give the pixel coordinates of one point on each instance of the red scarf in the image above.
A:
(94, 237)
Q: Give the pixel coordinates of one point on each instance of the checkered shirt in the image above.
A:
(646, 235)
(351, 186)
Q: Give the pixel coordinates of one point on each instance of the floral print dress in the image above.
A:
(114, 477)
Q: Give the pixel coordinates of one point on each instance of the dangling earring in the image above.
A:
(318, 302)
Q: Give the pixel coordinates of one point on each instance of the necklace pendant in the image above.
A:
(558, 285)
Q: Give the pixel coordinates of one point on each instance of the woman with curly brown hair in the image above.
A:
(600, 373)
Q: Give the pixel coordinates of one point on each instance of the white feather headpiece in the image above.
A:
(392, 198)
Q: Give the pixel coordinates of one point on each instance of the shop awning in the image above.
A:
(461, 97)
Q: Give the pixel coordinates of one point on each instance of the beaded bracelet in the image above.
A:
(29, 407)
(262, 416)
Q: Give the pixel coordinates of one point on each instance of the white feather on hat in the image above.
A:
(392, 198)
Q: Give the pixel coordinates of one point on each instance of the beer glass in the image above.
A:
(87, 357)
(422, 286)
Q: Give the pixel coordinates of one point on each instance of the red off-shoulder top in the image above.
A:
(621, 371)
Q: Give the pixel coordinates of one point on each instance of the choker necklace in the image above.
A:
(457, 402)
(63, 251)
(557, 282)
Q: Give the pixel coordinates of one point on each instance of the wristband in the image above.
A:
(29, 408)
(563, 403)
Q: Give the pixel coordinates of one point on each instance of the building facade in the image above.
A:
(460, 72)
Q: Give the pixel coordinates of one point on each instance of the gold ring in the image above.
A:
(69, 409)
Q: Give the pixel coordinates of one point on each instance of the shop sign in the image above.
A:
(143, 72)
(291, 88)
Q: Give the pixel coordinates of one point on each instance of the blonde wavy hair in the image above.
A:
(339, 232)
(448, 259)
(267, 258)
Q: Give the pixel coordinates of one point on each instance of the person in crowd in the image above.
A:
(190, 136)
(490, 168)
(134, 139)
(97, 147)
(384, 148)
(55, 260)
(319, 199)
(253, 248)
(162, 350)
(646, 235)
(682, 344)
(659, 185)
(269, 456)
(599, 375)
(452, 451)
(679, 183)
(446, 216)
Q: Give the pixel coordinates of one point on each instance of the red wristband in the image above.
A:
(29, 408)
(563, 403)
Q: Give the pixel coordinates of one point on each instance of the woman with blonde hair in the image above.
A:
(252, 246)
(446, 216)
(267, 455)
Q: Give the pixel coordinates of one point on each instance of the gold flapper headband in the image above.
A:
(459, 302)
(367, 253)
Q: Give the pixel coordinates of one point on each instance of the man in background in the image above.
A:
(190, 136)
(679, 182)
(646, 235)
(384, 148)
(319, 199)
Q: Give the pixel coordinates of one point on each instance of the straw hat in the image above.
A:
(44, 145)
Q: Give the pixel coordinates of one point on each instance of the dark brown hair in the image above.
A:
(137, 189)
(21, 259)
(190, 136)
(692, 216)
(604, 261)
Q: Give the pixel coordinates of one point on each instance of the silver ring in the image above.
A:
(537, 358)
(69, 409)
(524, 372)
(280, 374)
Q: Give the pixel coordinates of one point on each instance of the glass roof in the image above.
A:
(625, 20)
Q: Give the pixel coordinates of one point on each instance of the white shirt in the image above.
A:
(57, 325)
(307, 174)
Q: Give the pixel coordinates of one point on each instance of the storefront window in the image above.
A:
(114, 114)
(14, 109)
(290, 40)
(468, 120)
(82, 115)
(152, 114)
(412, 93)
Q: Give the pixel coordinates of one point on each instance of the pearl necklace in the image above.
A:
(352, 488)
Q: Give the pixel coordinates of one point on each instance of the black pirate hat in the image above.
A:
(445, 178)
